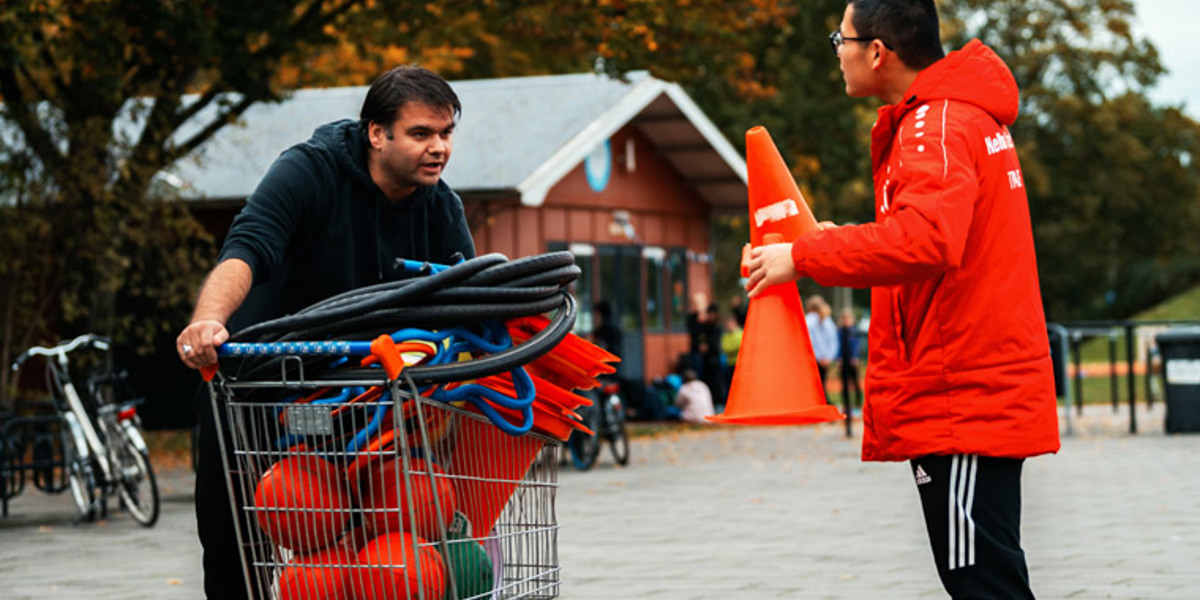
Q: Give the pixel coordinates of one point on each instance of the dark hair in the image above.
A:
(406, 83)
(910, 27)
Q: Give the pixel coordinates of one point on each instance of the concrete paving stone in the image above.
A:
(734, 513)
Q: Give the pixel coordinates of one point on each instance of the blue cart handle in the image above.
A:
(330, 348)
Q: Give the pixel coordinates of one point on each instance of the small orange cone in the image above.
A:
(776, 381)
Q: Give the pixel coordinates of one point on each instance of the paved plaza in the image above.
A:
(735, 514)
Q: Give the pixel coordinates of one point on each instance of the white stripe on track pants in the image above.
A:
(972, 507)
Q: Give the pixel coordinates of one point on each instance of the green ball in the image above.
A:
(471, 567)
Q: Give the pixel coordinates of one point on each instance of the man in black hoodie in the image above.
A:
(332, 214)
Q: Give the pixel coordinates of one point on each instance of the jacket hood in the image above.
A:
(973, 74)
(347, 142)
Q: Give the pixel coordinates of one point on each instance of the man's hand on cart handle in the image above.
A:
(197, 343)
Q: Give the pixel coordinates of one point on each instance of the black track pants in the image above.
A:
(972, 508)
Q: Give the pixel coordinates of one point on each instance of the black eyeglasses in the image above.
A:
(837, 40)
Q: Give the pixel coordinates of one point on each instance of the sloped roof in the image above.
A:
(516, 135)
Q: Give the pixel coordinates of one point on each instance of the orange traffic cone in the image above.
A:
(776, 381)
(776, 205)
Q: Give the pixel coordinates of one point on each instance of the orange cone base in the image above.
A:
(808, 416)
(777, 381)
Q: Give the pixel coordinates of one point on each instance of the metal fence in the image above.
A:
(1138, 337)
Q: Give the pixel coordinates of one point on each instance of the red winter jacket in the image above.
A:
(959, 360)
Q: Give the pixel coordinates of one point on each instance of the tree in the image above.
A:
(1111, 178)
(94, 100)
(101, 96)
(790, 83)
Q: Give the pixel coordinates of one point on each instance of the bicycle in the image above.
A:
(102, 447)
(606, 418)
(30, 449)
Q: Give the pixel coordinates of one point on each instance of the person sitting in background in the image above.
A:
(694, 399)
(667, 387)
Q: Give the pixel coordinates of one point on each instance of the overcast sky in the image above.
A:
(1173, 26)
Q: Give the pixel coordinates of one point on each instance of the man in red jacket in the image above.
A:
(959, 379)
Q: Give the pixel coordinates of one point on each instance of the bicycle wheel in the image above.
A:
(615, 426)
(134, 477)
(584, 448)
(81, 479)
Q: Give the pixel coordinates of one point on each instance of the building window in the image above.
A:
(677, 280)
(620, 284)
(656, 270)
(581, 289)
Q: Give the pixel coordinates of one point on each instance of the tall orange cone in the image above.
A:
(776, 381)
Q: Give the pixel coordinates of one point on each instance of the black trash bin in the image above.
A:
(1180, 349)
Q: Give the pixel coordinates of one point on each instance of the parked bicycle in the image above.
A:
(606, 418)
(30, 451)
(101, 450)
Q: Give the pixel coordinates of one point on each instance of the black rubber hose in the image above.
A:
(485, 288)
(520, 268)
(391, 319)
(346, 306)
(559, 276)
(476, 265)
(494, 364)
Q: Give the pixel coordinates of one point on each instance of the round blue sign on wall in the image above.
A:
(598, 166)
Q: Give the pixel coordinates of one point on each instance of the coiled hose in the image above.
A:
(467, 294)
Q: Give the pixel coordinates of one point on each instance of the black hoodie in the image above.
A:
(317, 225)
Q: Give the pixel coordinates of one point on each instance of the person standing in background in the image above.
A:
(848, 348)
(822, 332)
(731, 343)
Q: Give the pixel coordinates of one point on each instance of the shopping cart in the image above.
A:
(362, 483)
(446, 506)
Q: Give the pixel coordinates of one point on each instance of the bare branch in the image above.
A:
(36, 135)
(52, 66)
(209, 130)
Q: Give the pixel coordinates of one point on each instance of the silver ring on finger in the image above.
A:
(187, 349)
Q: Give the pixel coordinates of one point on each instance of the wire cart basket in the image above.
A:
(440, 504)
(431, 478)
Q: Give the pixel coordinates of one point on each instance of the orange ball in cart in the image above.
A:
(321, 575)
(301, 504)
(390, 570)
(385, 496)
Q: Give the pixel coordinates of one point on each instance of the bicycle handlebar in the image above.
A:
(63, 348)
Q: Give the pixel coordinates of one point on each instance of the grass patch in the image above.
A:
(1098, 389)
(1184, 306)
(654, 429)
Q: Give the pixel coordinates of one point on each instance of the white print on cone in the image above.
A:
(776, 212)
